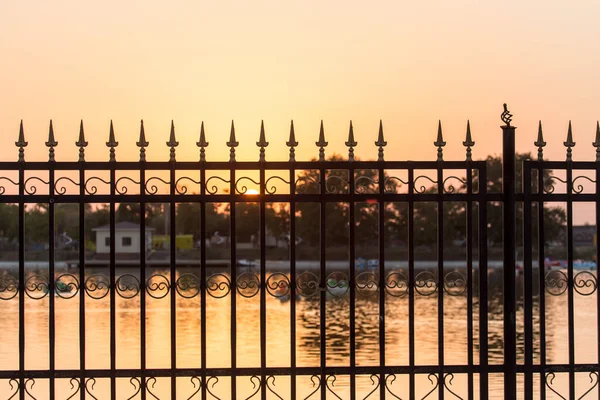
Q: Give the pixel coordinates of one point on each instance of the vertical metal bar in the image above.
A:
(82, 286)
(351, 225)
(173, 280)
(203, 279)
(21, 281)
(542, 281)
(470, 283)
(263, 280)
(323, 279)
(411, 282)
(232, 242)
(571, 302)
(382, 283)
(483, 287)
(440, 265)
(509, 217)
(293, 281)
(143, 280)
(112, 280)
(597, 203)
(51, 299)
(528, 277)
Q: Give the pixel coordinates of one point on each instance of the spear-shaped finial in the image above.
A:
(21, 143)
(172, 143)
(321, 143)
(569, 144)
(232, 144)
(596, 143)
(262, 142)
(468, 143)
(202, 143)
(81, 143)
(291, 143)
(142, 143)
(112, 143)
(540, 143)
(351, 143)
(439, 143)
(381, 143)
(51, 143)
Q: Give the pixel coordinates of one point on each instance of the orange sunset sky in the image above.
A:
(408, 63)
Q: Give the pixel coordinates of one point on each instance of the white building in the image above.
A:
(127, 238)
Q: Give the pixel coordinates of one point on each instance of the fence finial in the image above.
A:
(112, 143)
(81, 143)
(539, 143)
(51, 143)
(232, 144)
(321, 143)
(439, 143)
(142, 143)
(351, 143)
(262, 142)
(291, 143)
(569, 144)
(172, 143)
(596, 143)
(380, 142)
(21, 143)
(506, 116)
(202, 143)
(468, 143)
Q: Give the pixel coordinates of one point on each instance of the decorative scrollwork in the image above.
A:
(425, 283)
(549, 381)
(390, 186)
(333, 379)
(76, 386)
(422, 189)
(448, 383)
(592, 376)
(127, 286)
(278, 284)
(197, 387)
(579, 188)
(244, 188)
(158, 286)
(310, 182)
(137, 386)
(152, 381)
(506, 116)
(93, 189)
(269, 388)
(396, 284)
(66, 286)
(549, 184)
(213, 189)
(316, 385)
(377, 384)
(97, 286)
(435, 384)
(218, 286)
(183, 188)
(556, 283)
(337, 283)
(247, 284)
(455, 284)
(388, 384)
(153, 188)
(451, 188)
(88, 389)
(208, 386)
(366, 284)
(188, 285)
(60, 190)
(27, 390)
(255, 386)
(367, 187)
(32, 189)
(585, 283)
(2, 188)
(36, 287)
(273, 189)
(332, 189)
(307, 284)
(9, 287)
(123, 189)
(15, 388)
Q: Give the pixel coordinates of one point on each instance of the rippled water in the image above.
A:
(278, 338)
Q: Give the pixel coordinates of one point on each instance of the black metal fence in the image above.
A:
(330, 182)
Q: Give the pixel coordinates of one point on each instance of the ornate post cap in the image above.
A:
(381, 143)
(81, 142)
(321, 143)
(569, 143)
(540, 143)
(291, 143)
(202, 143)
(506, 117)
(142, 143)
(51, 143)
(172, 143)
(468, 143)
(232, 143)
(112, 143)
(439, 143)
(21, 143)
(351, 143)
(262, 142)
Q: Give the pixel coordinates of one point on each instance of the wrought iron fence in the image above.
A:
(278, 182)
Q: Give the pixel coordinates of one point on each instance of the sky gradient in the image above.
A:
(408, 63)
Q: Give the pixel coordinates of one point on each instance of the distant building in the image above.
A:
(127, 238)
(584, 235)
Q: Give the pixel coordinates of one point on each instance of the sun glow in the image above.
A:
(252, 192)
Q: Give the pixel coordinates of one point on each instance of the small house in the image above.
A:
(127, 238)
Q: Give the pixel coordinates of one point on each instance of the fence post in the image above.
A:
(509, 216)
